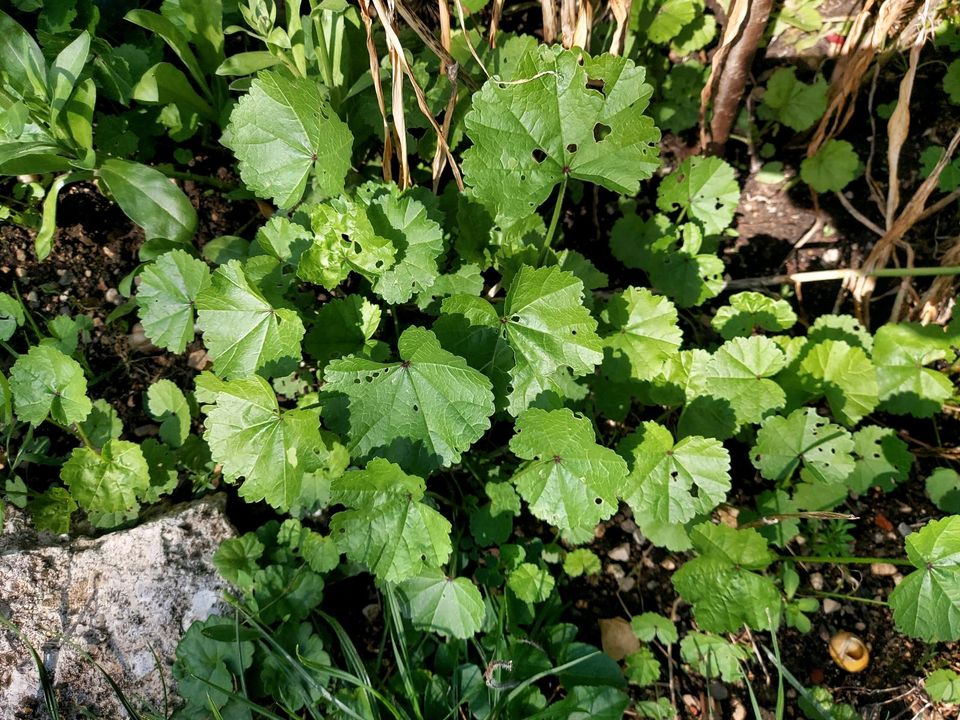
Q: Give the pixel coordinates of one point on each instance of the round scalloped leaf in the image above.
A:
(11, 315)
(531, 583)
(705, 188)
(421, 412)
(943, 487)
(109, 481)
(385, 526)
(834, 166)
(900, 352)
(166, 295)
(713, 656)
(236, 559)
(581, 562)
(45, 382)
(803, 437)
(749, 311)
(343, 326)
(642, 327)
(650, 625)
(168, 406)
(883, 459)
(844, 375)
(452, 607)
(793, 102)
(282, 132)
(673, 483)
(572, 115)
(926, 604)
(570, 481)
(943, 686)
(242, 331)
(739, 373)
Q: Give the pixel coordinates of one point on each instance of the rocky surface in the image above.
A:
(121, 599)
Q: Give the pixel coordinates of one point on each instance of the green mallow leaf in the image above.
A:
(844, 375)
(569, 481)
(11, 316)
(581, 562)
(110, 481)
(738, 374)
(834, 166)
(793, 102)
(713, 657)
(642, 667)
(803, 438)
(211, 654)
(421, 412)
(283, 133)
(344, 240)
(900, 353)
(168, 406)
(386, 527)
(531, 583)
(749, 311)
(102, 424)
(943, 686)
(926, 604)
(883, 459)
(242, 331)
(943, 487)
(252, 438)
(236, 559)
(149, 199)
(403, 221)
(452, 607)
(283, 239)
(52, 509)
(673, 483)
(642, 328)
(342, 327)
(650, 625)
(670, 18)
(721, 584)
(588, 125)
(465, 281)
(167, 294)
(548, 328)
(503, 498)
(705, 188)
(46, 383)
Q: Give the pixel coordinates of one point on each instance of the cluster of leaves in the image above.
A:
(406, 378)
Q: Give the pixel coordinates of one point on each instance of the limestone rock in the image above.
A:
(119, 598)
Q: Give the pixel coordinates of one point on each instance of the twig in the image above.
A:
(840, 274)
(863, 219)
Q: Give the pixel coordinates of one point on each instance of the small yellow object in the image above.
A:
(849, 652)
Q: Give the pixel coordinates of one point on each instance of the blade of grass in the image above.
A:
(398, 640)
(46, 684)
(352, 658)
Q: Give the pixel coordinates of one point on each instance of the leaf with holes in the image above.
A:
(571, 116)
(926, 604)
(805, 439)
(386, 527)
(673, 482)
(703, 187)
(421, 412)
(844, 375)
(883, 459)
(569, 481)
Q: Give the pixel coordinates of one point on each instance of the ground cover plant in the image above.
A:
(447, 298)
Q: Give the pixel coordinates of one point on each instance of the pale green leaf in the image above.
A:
(641, 327)
(926, 604)
(673, 483)
(803, 437)
(792, 102)
(943, 686)
(110, 481)
(569, 481)
(713, 657)
(11, 316)
(670, 19)
(739, 373)
(243, 332)
(530, 583)
(844, 375)
(703, 187)
(581, 562)
(150, 200)
(650, 625)
(283, 132)
(883, 459)
(503, 498)
(832, 168)
(166, 296)
(236, 559)
(386, 527)
(102, 424)
(452, 607)
(168, 406)
(943, 487)
(46, 383)
(421, 412)
(642, 667)
(465, 281)
(900, 353)
(749, 311)
(527, 136)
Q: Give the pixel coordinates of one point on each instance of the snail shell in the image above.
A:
(849, 652)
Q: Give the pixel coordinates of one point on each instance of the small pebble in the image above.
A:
(904, 529)
(113, 297)
(816, 581)
(860, 626)
(883, 569)
(198, 360)
(21, 255)
(615, 571)
(627, 584)
(668, 564)
(628, 526)
(146, 430)
(718, 691)
(371, 612)
(621, 553)
(66, 278)
(20, 272)
(830, 606)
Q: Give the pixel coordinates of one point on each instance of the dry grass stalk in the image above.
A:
(581, 32)
(621, 14)
(495, 13)
(548, 8)
(568, 21)
(937, 303)
(378, 89)
(399, 116)
(898, 127)
(466, 37)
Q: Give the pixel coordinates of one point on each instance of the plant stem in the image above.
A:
(840, 596)
(842, 274)
(204, 179)
(842, 560)
(554, 220)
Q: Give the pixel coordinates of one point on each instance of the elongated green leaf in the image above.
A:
(167, 295)
(21, 61)
(253, 439)
(927, 603)
(422, 412)
(150, 200)
(65, 71)
(448, 606)
(163, 84)
(387, 527)
(43, 242)
(282, 133)
(247, 63)
(529, 135)
(110, 481)
(570, 481)
(174, 37)
(243, 332)
(46, 383)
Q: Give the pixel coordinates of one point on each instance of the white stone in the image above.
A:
(114, 597)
